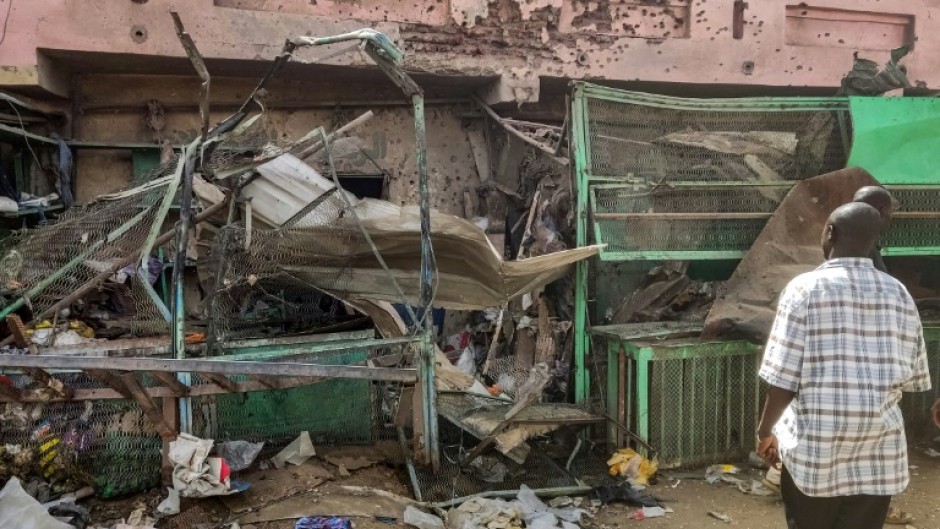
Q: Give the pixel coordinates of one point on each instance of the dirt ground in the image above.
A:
(692, 500)
(319, 486)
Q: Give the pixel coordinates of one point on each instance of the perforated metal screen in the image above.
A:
(657, 138)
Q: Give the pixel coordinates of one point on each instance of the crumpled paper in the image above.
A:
(195, 474)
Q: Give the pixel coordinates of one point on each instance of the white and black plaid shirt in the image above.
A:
(848, 340)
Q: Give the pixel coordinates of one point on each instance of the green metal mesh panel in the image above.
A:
(640, 136)
(704, 408)
(916, 406)
(336, 411)
(32, 256)
(640, 235)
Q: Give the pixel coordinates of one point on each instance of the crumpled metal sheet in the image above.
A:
(867, 79)
(788, 246)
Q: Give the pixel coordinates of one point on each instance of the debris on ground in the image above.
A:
(631, 466)
(422, 520)
(196, 474)
(720, 516)
(323, 522)
(298, 451)
(625, 493)
(19, 510)
(715, 473)
(239, 454)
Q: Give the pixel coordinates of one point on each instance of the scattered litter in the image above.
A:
(196, 475)
(755, 488)
(323, 522)
(632, 466)
(300, 450)
(714, 473)
(422, 520)
(757, 461)
(485, 513)
(720, 516)
(625, 493)
(239, 454)
(76, 515)
(171, 505)
(653, 512)
(343, 472)
(561, 501)
(489, 469)
(18, 509)
(931, 452)
(388, 520)
(537, 515)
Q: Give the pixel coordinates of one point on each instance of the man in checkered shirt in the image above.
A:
(847, 340)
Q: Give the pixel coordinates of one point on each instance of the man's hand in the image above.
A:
(768, 450)
(935, 412)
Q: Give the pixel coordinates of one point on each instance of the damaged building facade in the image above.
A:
(574, 186)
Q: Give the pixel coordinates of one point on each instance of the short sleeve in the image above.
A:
(920, 378)
(783, 357)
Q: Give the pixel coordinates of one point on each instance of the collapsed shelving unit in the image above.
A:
(674, 179)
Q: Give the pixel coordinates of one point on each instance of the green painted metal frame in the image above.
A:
(586, 181)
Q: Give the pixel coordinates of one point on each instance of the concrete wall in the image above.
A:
(102, 61)
(113, 110)
(769, 43)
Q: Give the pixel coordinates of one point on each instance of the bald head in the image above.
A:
(851, 231)
(878, 198)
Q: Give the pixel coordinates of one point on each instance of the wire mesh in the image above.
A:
(333, 411)
(450, 481)
(254, 291)
(916, 406)
(105, 443)
(84, 242)
(671, 140)
(109, 443)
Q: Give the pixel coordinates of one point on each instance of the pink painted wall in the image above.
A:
(777, 43)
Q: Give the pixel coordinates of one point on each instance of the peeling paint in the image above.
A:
(466, 12)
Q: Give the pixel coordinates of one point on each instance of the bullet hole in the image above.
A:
(582, 59)
(138, 34)
(827, 34)
(747, 67)
(803, 13)
(139, 1)
(799, 66)
(841, 41)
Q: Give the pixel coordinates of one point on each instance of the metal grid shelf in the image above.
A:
(721, 221)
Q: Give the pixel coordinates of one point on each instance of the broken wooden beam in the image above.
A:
(221, 380)
(109, 379)
(11, 392)
(171, 382)
(200, 365)
(146, 403)
(160, 392)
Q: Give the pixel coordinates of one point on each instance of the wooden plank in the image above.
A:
(146, 403)
(171, 382)
(10, 392)
(162, 392)
(527, 395)
(268, 381)
(193, 365)
(172, 418)
(221, 380)
(111, 380)
(44, 378)
(683, 216)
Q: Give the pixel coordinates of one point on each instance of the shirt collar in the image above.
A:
(849, 262)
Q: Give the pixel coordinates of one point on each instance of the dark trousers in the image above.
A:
(841, 512)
